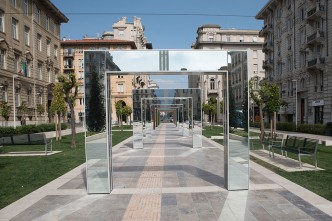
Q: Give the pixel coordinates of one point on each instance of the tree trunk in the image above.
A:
(271, 125)
(275, 123)
(59, 126)
(56, 127)
(73, 128)
(262, 121)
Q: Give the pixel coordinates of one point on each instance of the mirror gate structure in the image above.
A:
(99, 69)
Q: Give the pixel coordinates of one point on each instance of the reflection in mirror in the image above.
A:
(181, 107)
(235, 85)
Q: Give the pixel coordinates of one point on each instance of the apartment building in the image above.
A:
(297, 48)
(131, 31)
(125, 36)
(29, 57)
(243, 65)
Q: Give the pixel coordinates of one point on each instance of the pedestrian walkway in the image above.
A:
(169, 180)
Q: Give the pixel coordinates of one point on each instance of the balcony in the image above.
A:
(267, 46)
(70, 53)
(68, 67)
(319, 88)
(316, 38)
(268, 64)
(316, 64)
(265, 30)
(212, 92)
(315, 13)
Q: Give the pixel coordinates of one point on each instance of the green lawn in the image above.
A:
(318, 182)
(22, 175)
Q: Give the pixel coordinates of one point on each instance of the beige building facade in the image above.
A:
(244, 65)
(125, 36)
(29, 58)
(297, 48)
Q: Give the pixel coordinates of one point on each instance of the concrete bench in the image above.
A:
(26, 139)
(298, 145)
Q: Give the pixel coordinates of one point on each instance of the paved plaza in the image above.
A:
(169, 180)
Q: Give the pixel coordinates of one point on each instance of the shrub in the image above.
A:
(286, 126)
(28, 129)
(311, 128)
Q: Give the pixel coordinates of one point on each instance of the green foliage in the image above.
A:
(27, 129)
(210, 108)
(58, 105)
(96, 115)
(286, 126)
(245, 106)
(40, 109)
(311, 128)
(232, 109)
(5, 110)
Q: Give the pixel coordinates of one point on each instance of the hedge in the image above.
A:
(28, 129)
(319, 129)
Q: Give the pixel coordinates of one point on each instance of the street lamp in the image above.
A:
(295, 103)
(14, 76)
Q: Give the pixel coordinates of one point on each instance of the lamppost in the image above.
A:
(14, 102)
(295, 103)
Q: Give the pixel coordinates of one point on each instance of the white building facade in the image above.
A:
(248, 65)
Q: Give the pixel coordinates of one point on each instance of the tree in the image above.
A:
(119, 111)
(5, 110)
(22, 111)
(268, 96)
(245, 106)
(58, 107)
(233, 115)
(127, 111)
(70, 89)
(210, 108)
(96, 116)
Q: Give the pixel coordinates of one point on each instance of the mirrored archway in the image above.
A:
(102, 68)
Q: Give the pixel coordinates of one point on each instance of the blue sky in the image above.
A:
(163, 31)
(176, 32)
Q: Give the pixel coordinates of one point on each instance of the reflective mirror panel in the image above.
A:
(127, 78)
(236, 140)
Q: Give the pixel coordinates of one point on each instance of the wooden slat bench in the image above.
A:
(298, 145)
(27, 139)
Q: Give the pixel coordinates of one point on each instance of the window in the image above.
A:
(26, 7)
(255, 67)
(254, 39)
(80, 63)
(13, 3)
(48, 75)
(29, 97)
(2, 59)
(40, 98)
(211, 37)
(2, 21)
(40, 73)
(120, 88)
(17, 97)
(39, 42)
(121, 32)
(212, 84)
(3, 93)
(48, 47)
(55, 51)
(47, 23)
(55, 28)
(254, 54)
(15, 28)
(16, 63)
(26, 68)
(241, 38)
(56, 75)
(228, 38)
(37, 15)
(80, 74)
(26, 35)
